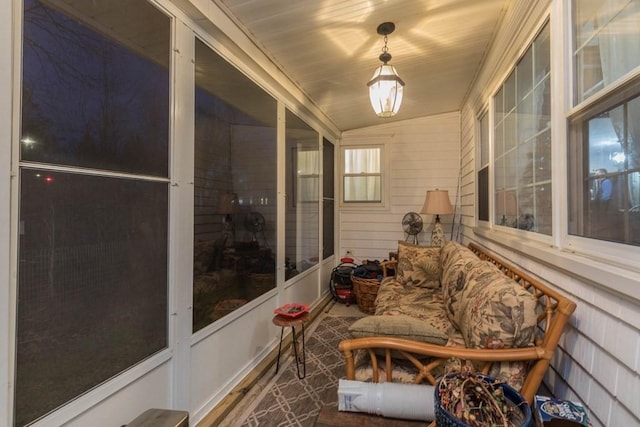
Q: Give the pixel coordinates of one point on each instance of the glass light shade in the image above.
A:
(385, 91)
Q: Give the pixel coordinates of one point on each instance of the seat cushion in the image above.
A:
(423, 304)
(399, 326)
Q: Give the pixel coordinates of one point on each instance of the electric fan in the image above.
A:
(412, 226)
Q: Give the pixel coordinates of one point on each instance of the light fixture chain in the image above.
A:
(385, 49)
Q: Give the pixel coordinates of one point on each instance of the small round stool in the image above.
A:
(293, 322)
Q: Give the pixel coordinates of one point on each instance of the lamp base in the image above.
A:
(437, 234)
(228, 230)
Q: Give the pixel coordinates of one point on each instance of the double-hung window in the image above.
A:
(522, 142)
(483, 172)
(328, 201)
(362, 174)
(604, 147)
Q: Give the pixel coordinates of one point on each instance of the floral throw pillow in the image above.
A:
(418, 265)
(497, 312)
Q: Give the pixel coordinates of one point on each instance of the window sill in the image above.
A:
(364, 207)
(596, 271)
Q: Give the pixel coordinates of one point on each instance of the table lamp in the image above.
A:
(437, 203)
(227, 206)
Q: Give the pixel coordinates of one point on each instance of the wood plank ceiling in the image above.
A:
(330, 49)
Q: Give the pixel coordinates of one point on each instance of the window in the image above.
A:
(607, 46)
(606, 168)
(307, 173)
(302, 214)
(93, 201)
(362, 177)
(483, 172)
(605, 136)
(522, 142)
(235, 189)
(328, 202)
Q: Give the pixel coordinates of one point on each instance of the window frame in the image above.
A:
(621, 256)
(512, 72)
(296, 232)
(481, 166)
(63, 412)
(606, 99)
(328, 234)
(364, 143)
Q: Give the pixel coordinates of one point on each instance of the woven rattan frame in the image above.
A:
(554, 308)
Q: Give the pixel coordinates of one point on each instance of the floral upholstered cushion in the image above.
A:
(454, 292)
(450, 247)
(400, 326)
(418, 265)
(454, 258)
(422, 304)
(497, 313)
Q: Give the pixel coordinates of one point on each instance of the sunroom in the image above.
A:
(175, 170)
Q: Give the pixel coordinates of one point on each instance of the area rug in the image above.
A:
(289, 401)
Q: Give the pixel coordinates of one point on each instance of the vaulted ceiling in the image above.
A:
(330, 49)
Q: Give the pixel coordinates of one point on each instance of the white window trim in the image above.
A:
(381, 142)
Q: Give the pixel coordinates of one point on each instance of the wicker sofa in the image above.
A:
(457, 305)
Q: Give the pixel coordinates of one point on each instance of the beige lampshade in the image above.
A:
(437, 203)
(511, 203)
(228, 203)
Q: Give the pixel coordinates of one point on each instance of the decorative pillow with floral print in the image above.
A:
(454, 259)
(451, 247)
(497, 313)
(418, 265)
(454, 292)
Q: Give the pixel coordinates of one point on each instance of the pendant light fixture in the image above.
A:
(385, 87)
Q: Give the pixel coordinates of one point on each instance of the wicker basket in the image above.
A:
(445, 419)
(366, 291)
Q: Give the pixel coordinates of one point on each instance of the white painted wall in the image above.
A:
(598, 361)
(421, 154)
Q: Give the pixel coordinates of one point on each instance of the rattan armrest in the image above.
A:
(415, 352)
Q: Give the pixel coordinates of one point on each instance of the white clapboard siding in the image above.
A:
(423, 154)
